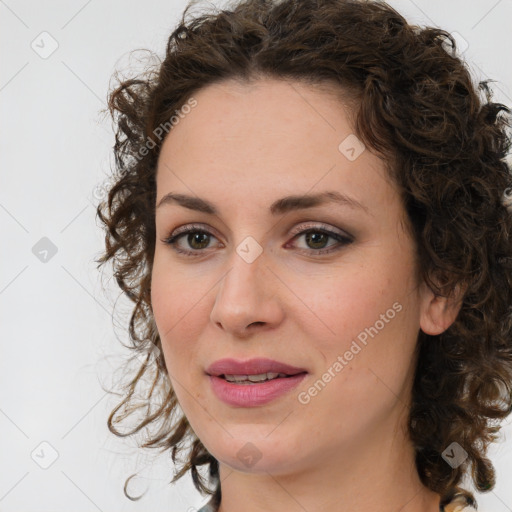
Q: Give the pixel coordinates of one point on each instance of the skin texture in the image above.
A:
(243, 147)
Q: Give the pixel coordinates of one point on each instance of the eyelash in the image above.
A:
(343, 240)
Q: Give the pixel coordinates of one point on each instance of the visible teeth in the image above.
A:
(254, 378)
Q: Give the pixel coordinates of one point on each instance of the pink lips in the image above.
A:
(251, 367)
(250, 395)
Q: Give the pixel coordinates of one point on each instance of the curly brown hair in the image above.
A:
(445, 145)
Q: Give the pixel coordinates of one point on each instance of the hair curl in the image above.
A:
(445, 147)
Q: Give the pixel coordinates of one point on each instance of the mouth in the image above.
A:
(253, 383)
(252, 371)
(256, 379)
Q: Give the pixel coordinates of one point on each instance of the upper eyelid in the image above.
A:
(320, 226)
(302, 226)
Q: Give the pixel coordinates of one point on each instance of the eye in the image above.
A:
(315, 236)
(196, 237)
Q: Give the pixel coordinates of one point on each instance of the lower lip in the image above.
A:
(251, 395)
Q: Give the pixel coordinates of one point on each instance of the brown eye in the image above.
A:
(196, 240)
(316, 239)
(199, 237)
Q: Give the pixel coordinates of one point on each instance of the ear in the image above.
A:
(437, 311)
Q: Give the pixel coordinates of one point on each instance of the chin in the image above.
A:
(253, 454)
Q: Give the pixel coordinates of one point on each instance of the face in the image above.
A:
(326, 287)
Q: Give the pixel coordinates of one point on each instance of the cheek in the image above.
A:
(168, 310)
(370, 317)
(180, 310)
(344, 302)
(173, 296)
(163, 299)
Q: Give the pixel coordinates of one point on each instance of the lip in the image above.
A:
(251, 367)
(252, 395)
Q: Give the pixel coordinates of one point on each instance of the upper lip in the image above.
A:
(251, 367)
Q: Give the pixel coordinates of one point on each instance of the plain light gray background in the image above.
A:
(58, 343)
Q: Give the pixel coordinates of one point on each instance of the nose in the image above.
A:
(247, 298)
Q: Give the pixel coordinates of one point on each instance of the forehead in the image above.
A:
(234, 108)
(270, 137)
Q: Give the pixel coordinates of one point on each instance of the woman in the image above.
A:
(310, 215)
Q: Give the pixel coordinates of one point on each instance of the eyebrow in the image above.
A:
(280, 206)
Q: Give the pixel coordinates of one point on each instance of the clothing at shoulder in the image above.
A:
(453, 508)
(457, 507)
